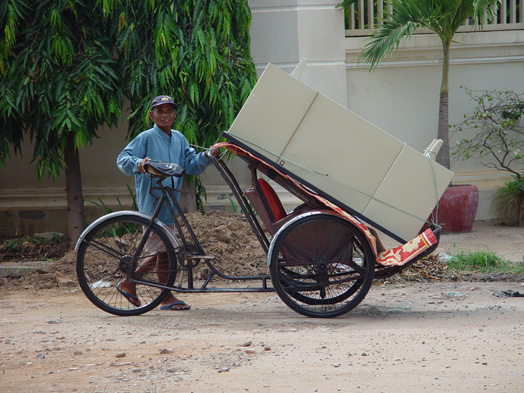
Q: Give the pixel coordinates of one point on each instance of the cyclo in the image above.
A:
(322, 257)
(322, 260)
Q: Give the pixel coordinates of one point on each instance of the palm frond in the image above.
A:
(408, 15)
(443, 17)
(485, 11)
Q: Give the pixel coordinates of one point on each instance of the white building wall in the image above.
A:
(402, 95)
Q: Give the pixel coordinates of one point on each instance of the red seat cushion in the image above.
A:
(270, 198)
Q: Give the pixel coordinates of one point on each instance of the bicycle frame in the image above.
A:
(190, 254)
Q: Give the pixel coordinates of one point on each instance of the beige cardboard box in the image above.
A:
(355, 163)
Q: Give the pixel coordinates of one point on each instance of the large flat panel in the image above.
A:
(408, 194)
(273, 111)
(354, 154)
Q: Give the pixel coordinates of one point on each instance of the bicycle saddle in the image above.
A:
(162, 168)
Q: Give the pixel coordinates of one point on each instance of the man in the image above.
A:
(159, 143)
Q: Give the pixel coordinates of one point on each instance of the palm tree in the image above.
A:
(443, 17)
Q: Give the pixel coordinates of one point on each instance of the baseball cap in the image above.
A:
(161, 100)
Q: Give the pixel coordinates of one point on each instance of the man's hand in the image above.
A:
(212, 152)
(141, 165)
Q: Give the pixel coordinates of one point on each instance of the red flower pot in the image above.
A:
(457, 208)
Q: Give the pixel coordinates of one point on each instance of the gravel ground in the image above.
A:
(404, 337)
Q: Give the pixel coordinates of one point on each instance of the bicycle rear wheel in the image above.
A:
(108, 254)
(321, 265)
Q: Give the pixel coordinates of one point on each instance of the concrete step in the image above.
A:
(17, 268)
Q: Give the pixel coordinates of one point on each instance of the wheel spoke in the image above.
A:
(104, 248)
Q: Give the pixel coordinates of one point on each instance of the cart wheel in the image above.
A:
(105, 256)
(321, 265)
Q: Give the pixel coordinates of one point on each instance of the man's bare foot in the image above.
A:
(174, 304)
(128, 290)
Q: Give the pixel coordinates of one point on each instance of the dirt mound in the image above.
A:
(226, 236)
(229, 238)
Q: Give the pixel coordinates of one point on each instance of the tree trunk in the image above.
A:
(75, 198)
(443, 117)
(188, 197)
(520, 209)
(443, 131)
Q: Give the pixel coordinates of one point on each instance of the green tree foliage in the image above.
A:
(495, 135)
(496, 131)
(197, 52)
(66, 67)
(59, 79)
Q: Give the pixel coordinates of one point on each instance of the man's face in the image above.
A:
(164, 116)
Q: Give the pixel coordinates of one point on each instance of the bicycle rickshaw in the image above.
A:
(322, 256)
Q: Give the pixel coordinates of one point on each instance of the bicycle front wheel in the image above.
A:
(108, 258)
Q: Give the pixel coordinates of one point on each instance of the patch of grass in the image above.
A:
(232, 203)
(483, 262)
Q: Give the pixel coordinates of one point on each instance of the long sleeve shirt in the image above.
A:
(157, 145)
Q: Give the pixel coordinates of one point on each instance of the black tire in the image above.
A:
(105, 257)
(321, 265)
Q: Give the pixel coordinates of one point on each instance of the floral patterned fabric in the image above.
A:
(403, 254)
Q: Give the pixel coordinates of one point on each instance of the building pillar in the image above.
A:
(285, 31)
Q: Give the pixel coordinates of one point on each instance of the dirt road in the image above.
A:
(416, 337)
(411, 337)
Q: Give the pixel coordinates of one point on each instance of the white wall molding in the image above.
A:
(433, 63)
(426, 50)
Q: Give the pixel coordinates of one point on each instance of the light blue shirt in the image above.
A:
(157, 145)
